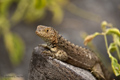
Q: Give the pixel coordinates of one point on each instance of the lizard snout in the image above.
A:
(36, 32)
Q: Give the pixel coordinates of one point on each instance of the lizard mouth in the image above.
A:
(37, 32)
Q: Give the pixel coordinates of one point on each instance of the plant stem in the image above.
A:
(117, 49)
(106, 43)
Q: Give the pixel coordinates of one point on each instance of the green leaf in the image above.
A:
(20, 10)
(57, 11)
(12, 76)
(15, 47)
(40, 4)
(116, 39)
(5, 78)
(4, 6)
(113, 31)
(57, 15)
(35, 13)
(112, 47)
(103, 25)
(115, 65)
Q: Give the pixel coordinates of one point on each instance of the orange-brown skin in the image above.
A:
(77, 56)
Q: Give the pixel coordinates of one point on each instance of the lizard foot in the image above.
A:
(97, 71)
(48, 53)
(44, 45)
(61, 55)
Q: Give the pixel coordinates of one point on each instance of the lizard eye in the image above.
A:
(47, 30)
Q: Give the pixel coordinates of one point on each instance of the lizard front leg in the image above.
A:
(61, 55)
(55, 52)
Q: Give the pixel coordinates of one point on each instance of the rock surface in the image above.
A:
(46, 68)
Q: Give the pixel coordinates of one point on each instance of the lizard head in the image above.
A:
(48, 34)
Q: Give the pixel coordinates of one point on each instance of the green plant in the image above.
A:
(108, 29)
(12, 76)
(28, 11)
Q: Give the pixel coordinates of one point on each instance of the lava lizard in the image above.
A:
(73, 54)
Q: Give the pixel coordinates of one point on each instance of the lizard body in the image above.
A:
(77, 56)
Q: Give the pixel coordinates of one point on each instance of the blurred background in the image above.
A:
(72, 18)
